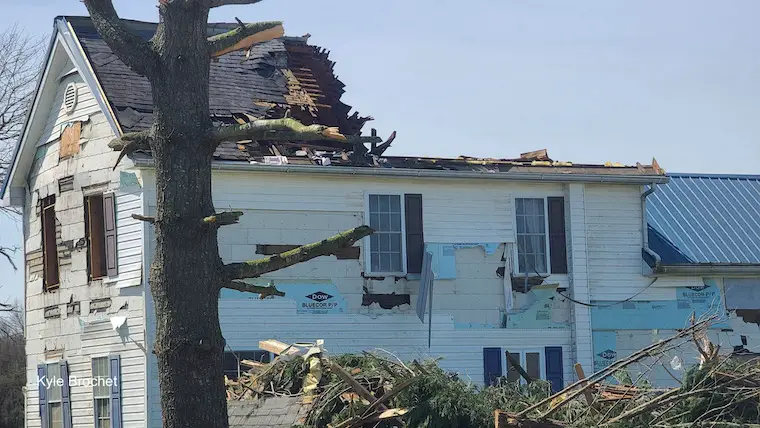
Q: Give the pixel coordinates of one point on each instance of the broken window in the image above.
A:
(541, 231)
(50, 276)
(530, 361)
(232, 361)
(100, 230)
(397, 245)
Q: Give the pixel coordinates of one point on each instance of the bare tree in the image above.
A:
(19, 68)
(12, 369)
(187, 274)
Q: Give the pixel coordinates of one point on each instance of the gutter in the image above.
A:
(709, 269)
(146, 162)
(645, 230)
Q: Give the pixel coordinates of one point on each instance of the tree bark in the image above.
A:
(187, 274)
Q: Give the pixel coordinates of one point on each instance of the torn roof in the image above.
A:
(706, 218)
(288, 74)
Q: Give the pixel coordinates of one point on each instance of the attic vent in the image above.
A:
(70, 98)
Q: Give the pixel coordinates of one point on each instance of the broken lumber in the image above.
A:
(278, 348)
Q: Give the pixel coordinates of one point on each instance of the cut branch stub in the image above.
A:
(263, 291)
(223, 218)
(256, 268)
(244, 36)
(129, 143)
(218, 3)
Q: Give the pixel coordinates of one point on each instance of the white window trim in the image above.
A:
(47, 392)
(96, 417)
(515, 250)
(365, 241)
(523, 361)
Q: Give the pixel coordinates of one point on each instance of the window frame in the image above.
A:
(516, 250)
(366, 241)
(53, 384)
(96, 416)
(523, 362)
(237, 354)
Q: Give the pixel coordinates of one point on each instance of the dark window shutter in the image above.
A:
(557, 246)
(491, 365)
(415, 240)
(115, 373)
(95, 229)
(49, 244)
(554, 370)
(65, 395)
(109, 223)
(42, 374)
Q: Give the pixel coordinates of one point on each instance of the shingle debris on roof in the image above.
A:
(707, 219)
(289, 75)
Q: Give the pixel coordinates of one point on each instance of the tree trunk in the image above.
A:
(185, 276)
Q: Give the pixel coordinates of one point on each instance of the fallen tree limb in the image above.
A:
(601, 374)
(329, 246)
(223, 218)
(263, 291)
(285, 129)
(244, 36)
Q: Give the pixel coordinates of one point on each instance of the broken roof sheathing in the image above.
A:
(289, 75)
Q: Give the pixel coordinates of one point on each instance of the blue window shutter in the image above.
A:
(42, 374)
(554, 371)
(115, 373)
(491, 365)
(65, 395)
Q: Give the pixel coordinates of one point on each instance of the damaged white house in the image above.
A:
(531, 256)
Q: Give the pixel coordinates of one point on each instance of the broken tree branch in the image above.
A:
(137, 53)
(329, 246)
(244, 36)
(223, 218)
(263, 291)
(285, 129)
(129, 143)
(150, 220)
(218, 3)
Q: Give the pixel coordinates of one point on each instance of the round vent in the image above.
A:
(70, 98)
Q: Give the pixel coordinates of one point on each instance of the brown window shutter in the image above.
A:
(96, 250)
(49, 244)
(557, 247)
(415, 240)
(109, 223)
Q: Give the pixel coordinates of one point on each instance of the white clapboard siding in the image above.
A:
(58, 118)
(613, 233)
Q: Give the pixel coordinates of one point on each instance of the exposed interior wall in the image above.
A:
(63, 324)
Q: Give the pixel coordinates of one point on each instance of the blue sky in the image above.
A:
(591, 81)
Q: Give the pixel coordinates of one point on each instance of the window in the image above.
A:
(531, 361)
(541, 230)
(101, 392)
(100, 230)
(397, 245)
(50, 277)
(106, 391)
(232, 365)
(55, 402)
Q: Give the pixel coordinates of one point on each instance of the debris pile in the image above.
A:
(379, 390)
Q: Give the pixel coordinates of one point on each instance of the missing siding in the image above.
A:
(73, 308)
(749, 315)
(100, 305)
(52, 312)
(519, 282)
(386, 301)
(350, 253)
(66, 183)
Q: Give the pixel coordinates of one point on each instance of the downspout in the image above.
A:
(645, 229)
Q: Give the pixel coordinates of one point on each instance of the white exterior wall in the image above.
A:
(78, 338)
(289, 209)
(578, 255)
(613, 230)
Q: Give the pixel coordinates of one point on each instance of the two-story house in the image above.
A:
(521, 248)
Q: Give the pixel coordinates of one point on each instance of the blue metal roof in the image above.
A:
(706, 218)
